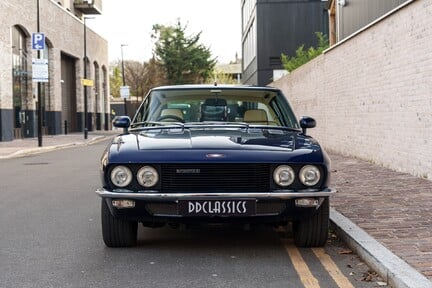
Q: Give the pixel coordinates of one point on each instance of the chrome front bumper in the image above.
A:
(156, 196)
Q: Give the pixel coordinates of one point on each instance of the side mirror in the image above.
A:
(122, 122)
(307, 122)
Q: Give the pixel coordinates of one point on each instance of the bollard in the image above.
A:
(65, 127)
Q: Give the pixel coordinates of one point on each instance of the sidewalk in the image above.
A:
(385, 216)
(25, 146)
(394, 208)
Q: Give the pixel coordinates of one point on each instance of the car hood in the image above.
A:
(256, 139)
(188, 145)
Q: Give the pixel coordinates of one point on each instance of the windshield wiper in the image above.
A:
(145, 123)
(155, 124)
(216, 124)
(244, 125)
(284, 128)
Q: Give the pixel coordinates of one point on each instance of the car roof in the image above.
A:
(209, 86)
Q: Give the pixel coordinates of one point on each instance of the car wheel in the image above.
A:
(313, 231)
(117, 232)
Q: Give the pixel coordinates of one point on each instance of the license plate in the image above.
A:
(238, 207)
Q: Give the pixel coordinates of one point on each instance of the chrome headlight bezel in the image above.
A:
(147, 176)
(284, 175)
(310, 175)
(121, 176)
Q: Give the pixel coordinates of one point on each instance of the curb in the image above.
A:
(31, 151)
(390, 267)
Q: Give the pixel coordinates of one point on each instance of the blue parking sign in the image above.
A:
(38, 41)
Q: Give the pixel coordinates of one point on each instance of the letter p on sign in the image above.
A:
(38, 41)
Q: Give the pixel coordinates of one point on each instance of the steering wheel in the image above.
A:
(172, 117)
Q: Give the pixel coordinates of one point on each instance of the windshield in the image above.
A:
(219, 105)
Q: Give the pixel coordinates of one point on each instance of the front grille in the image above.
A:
(215, 177)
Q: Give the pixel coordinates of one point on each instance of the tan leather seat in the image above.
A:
(256, 116)
(170, 111)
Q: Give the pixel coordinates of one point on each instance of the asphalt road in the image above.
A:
(50, 236)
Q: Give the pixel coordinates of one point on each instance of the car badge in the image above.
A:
(215, 155)
(188, 171)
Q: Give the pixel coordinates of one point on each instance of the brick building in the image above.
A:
(371, 92)
(67, 40)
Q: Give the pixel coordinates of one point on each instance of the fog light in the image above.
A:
(307, 202)
(121, 203)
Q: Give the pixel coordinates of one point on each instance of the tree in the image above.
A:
(134, 76)
(154, 75)
(115, 80)
(221, 78)
(304, 56)
(183, 58)
(140, 77)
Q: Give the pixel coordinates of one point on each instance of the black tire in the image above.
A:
(117, 232)
(313, 231)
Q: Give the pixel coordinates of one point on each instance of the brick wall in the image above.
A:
(64, 32)
(372, 95)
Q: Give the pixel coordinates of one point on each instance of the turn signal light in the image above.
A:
(121, 203)
(306, 202)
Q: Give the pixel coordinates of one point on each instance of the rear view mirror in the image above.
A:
(122, 122)
(214, 109)
(307, 122)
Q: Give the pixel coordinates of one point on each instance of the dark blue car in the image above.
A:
(214, 154)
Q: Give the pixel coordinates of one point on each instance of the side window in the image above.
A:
(284, 113)
(264, 107)
(140, 114)
(271, 115)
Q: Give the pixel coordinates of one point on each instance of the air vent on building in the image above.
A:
(275, 62)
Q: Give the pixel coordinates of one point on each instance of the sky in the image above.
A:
(130, 22)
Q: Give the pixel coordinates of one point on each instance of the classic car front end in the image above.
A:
(249, 161)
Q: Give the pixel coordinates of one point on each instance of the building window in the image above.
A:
(104, 98)
(247, 9)
(45, 89)
(20, 77)
(249, 45)
(96, 89)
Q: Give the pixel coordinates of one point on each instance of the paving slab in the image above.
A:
(26, 146)
(394, 208)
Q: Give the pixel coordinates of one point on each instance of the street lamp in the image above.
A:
(85, 77)
(123, 76)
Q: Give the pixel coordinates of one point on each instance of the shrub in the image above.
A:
(303, 56)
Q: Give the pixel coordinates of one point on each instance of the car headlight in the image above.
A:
(121, 176)
(310, 175)
(147, 176)
(283, 175)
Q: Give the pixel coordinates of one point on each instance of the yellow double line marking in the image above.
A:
(306, 276)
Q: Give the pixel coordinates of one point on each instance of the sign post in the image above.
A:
(38, 43)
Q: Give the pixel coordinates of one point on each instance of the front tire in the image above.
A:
(117, 232)
(313, 231)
